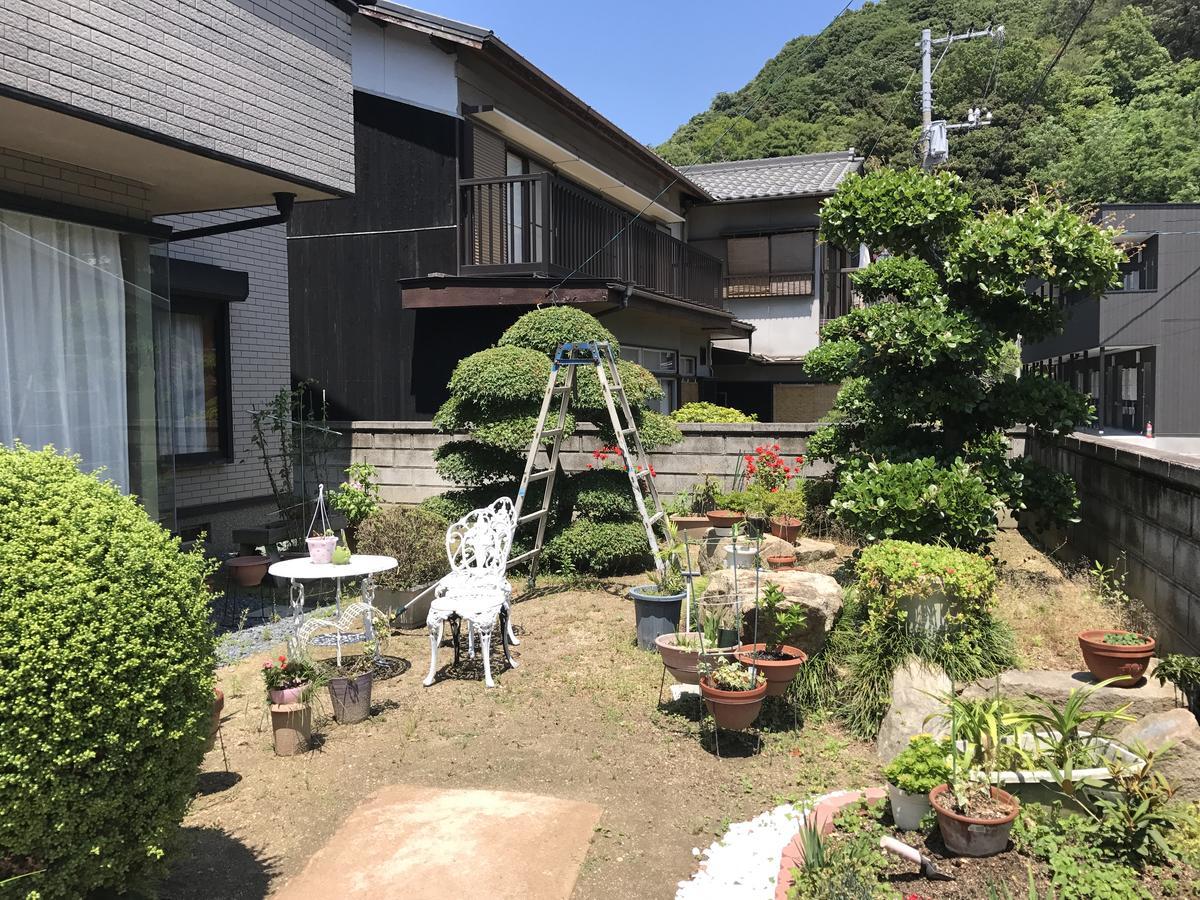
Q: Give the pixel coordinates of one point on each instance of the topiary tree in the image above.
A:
(929, 366)
(495, 396)
(106, 678)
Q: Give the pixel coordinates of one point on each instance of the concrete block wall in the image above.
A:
(403, 454)
(1140, 513)
(50, 179)
(265, 81)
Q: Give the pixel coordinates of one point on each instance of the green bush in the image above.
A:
(500, 377)
(918, 501)
(416, 537)
(603, 495)
(106, 677)
(890, 570)
(710, 412)
(598, 548)
(545, 329)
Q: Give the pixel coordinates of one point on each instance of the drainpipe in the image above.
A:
(283, 202)
(621, 304)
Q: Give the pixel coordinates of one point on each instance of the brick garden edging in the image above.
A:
(821, 816)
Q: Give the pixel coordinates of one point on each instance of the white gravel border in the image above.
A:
(744, 864)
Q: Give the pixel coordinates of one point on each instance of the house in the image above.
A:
(484, 190)
(149, 156)
(777, 275)
(1135, 349)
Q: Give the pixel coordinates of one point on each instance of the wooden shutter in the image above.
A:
(748, 256)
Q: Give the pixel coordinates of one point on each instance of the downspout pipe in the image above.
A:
(283, 202)
(621, 304)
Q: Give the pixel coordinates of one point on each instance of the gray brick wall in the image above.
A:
(49, 179)
(265, 81)
(258, 346)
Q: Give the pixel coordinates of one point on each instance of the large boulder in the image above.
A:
(917, 689)
(1055, 686)
(819, 594)
(1177, 732)
(810, 551)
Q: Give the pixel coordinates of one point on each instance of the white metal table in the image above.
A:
(361, 565)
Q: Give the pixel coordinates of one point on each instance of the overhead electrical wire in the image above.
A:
(700, 156)
(1033, 91)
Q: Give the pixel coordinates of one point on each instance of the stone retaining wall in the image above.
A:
(403, 454)
(1140, 513)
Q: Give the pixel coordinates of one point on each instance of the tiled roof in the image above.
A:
(783, 176)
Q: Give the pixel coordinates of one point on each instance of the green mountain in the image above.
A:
(1117, 119)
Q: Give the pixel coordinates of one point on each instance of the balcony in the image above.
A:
(541, 224)
(775, 284)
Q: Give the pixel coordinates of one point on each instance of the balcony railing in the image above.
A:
(776, 284)
(543, 224)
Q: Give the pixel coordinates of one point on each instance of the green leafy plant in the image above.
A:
(283, 673)
(586, 546)
(732, 676)
(358, 496)
(916, 435)
(778, 619)
(106, 678)
(1068, 734)
(921, 766)
(710, 412)
(788, 504)
(845, 865)
(1125, 639)
(1181, 670)
(668, 579)
(414, 537)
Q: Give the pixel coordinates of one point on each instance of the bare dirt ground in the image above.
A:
(578, 719)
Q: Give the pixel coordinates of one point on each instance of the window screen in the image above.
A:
(749, 256)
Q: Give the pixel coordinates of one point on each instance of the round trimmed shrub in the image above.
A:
(603, 495)
(500, 377)
(710, 412)
(545, 329)
(598, 548)
(106, 678)
(416, 537)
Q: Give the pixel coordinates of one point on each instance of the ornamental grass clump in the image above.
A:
(929, 365)
(106, 679)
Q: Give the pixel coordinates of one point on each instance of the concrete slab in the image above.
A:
(425, 843)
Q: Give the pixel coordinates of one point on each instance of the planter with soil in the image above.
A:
(778, 666)
(291, 725)
(683, 660)
(351, 698)
(983, 833)
(732, 710)
(781, 562)
(692, 526)
(655, 614)
(725, 519)
(786, 528)
(1110, 653)
(248, 571)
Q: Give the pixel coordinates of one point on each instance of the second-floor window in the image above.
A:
(770, 265)
(1140, 271)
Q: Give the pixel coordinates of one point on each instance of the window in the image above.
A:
(195, 396)
(1140, 271)
(770, 265)
(687, 366)
(664, 365)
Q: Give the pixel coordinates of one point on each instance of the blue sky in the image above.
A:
(648, 65)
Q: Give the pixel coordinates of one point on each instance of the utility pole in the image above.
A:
(935, 141)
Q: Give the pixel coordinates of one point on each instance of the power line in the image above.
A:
(1029, 95)
(699, 156)
(892, 112)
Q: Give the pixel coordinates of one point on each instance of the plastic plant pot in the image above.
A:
(732, 710)
(970, 836)
(654, 615)
(320, 548)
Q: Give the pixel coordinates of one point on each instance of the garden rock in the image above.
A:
(819, 594)
(810, 551)
(713, 556)
(1177, 730)
(916, 689)
(1055, 686)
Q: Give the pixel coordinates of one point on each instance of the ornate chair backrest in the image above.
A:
(479, 542)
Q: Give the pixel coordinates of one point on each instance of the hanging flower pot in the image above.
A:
(320, 548)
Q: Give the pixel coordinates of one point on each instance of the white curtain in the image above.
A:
(62, 341)
(182, 414)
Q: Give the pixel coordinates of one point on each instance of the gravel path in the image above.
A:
(258, 639)
(744, 864)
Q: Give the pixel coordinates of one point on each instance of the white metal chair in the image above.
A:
(476, 589)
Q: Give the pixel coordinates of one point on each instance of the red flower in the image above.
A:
(589, 465)
(800, 459)
(653, 474)
(283, 659)
(775, 447)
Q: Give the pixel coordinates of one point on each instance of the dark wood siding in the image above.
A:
(349, 335)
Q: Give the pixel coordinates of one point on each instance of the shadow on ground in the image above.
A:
(210, 862)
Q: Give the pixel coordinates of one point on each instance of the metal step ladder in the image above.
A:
(567, 360)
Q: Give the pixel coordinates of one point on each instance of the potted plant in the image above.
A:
(657, 606)
(783, 561)
(288, 680)
(1112, 653)
(680, 652)
(1183, 672)
(248, 571)
(320, 546)
(350, 686)
(740, 553)
(416, 538)
(356, 498)
(690, 509)
(732, 693)
(776, 619)
(916, 770)
(787, 508)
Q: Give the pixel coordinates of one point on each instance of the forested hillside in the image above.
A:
(1117, 119)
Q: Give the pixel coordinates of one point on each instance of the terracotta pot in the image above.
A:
(693, 526)
(732, 710)
(683, 662)
(725, 518)
(351, 698)
(291, 724)
(248, 571)
(782, 562)
(1106, 661)
(779, 672)
(968, 836)
(288, 695)
(218, 704)
(786, 528)
(320, 549)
